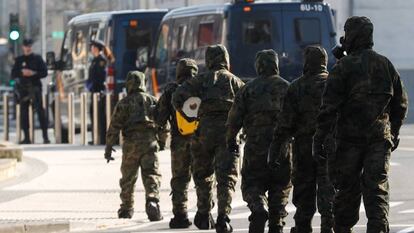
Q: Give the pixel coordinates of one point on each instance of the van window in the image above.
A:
(162, 45)
(308, 31)
(257, 32)
(137, 38)
(205, 34)
(80, 45)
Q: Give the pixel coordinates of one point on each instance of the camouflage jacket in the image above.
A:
(257, 104)
(133, 114)
(364, 97)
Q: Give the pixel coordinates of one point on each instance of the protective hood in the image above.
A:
(316, 60)
(186, 68)
(358, 34)
(135, 82)
(267, 63)
(217, 57)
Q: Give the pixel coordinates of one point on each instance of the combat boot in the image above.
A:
(275, 229)
(125, 213)
(180, 221)
(258, 221)
(341, 229)
(203, 221)
(223, 224)
(301, 229)
(326, 225)
(153, 211)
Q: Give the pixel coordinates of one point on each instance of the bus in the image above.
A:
(244, 27)
(129, 34)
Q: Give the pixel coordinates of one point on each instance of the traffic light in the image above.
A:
(14, 32)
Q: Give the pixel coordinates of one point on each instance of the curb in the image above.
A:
(9, 150)
(7, 168)
(36, 228)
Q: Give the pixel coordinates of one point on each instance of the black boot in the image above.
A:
(276, 229)
(25, 141)
(125, 213)
(326, 225)
(180, 221)
(258, 221)
(153, 211)
(223, 224)
(203, 221)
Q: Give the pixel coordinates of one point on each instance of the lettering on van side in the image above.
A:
(311, 7)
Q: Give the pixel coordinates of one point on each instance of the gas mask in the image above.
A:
(339, 51)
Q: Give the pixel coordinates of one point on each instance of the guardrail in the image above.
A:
(71, 114)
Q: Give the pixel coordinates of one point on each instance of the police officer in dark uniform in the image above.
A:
(27, 71)
(96, 84)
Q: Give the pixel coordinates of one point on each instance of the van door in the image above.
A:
(252, 28)
(303, 25)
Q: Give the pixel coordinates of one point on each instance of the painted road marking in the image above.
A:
(406, 230)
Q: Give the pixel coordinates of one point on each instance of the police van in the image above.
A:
(244, 27)
(128, 34)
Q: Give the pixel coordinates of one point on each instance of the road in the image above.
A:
(74, 183)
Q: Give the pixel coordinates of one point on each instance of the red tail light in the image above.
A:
(110, 79)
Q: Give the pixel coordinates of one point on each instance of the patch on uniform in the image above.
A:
(102, 63)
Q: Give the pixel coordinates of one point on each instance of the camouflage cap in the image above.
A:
(217, 57)
(267, 62)
(358, 34)
(316, 60)
(135, 82)
(186, 68)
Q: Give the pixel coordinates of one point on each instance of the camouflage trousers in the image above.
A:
(210, 158)
(139, 153)
(181, 172)
(311, 187)
(257, 178)
(361, 170)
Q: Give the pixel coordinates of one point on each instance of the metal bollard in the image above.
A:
(108, 109)
(31, 124)
(95, 126)
(6, 116)
(45, 105)
(71, 118)
(58, 123)
(83, 118)
(18, 124)
(120, 97)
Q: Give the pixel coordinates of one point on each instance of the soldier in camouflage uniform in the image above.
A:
(256, 109)
(364, 99)
(180, 145)
(216, 88)
(311, 185)
(133, 115)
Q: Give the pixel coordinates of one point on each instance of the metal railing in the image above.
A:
(71, 114)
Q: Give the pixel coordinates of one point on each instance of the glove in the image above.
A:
(273, 157)
(395, 141)
(318, 151)
(233, 147)
(108, 153)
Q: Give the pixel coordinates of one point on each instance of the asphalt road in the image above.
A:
(74, 183)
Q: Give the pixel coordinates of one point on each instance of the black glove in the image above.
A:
(273, 157)
(395, 141)
(108, 153)
(232, 147)
(318, 151)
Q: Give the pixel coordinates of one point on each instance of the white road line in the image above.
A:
(410, 211)
(406, 230)
(407, 137)
(405, 149)
(394, 164)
